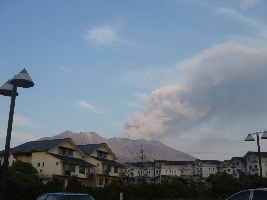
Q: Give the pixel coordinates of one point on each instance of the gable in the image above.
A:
(98, 150)
(43, 145)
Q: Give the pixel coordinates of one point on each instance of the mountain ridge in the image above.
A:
(127, 150)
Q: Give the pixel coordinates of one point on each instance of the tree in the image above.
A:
(74, 185)
(55, 185)
(24, 180)
(224, 185)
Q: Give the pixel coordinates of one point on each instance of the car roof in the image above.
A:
(66, 194)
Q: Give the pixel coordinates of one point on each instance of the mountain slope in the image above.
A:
(128, 150)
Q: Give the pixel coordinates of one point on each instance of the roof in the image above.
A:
(110, 162)
(209, 161)
(89, 148)
(42, 145)
(263, 154)
(67, 194)
(68, 159)
(175, 162)
(242, 159)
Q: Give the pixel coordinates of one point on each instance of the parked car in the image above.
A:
(65, 196)
(252, 194)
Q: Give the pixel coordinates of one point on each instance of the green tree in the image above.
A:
(224, 185)
(74, 185)
(55, 185)
(23, 182)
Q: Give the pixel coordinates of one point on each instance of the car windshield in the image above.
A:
(78, 197)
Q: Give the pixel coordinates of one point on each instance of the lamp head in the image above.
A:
(7, 89)
(249, 138)
(22, 80)
(264, 136)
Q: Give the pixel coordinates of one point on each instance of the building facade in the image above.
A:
(93, 164)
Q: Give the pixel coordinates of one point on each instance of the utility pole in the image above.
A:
(154, 171)
(142, 163)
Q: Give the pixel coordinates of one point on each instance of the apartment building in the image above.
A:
(93, 164)
(59, 157)
(225, 167)
(252, 163)
(204, 168)
(137, 172)
(238, 164)
(107, 169)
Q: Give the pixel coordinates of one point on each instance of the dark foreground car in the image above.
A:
(65, 196)
(252, 194)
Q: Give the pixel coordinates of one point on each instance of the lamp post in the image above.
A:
(250, 138)
(10, 89)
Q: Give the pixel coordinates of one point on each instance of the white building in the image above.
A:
(204, 168)
(238, 164)
(225, 167)
(252, 159)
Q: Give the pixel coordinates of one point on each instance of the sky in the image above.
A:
(189, 73)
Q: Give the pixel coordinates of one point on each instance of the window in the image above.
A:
(62, 151)
(43, 164)
(69, 168)
(82, 169)
(241, 196)
(65, 151)
(116, 169)
(72, 168)
(71, 153)
(106, 181)
(259, 195)
(38, 164)
(43, 197)
(51, 197)
(101, 181)
(101, 154)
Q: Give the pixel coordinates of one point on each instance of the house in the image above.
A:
(204, 168)
(60, 157)
(252, 159)
(107, 169)
(238, 164)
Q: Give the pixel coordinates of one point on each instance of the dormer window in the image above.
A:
(102, 154)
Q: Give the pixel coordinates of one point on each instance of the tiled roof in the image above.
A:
(89, 148)
(42, 145)
(111, 162)
(72, 160)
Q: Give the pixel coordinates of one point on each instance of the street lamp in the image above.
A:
(10, 89)
(250, 138)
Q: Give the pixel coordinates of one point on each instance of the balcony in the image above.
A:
(254, 168)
